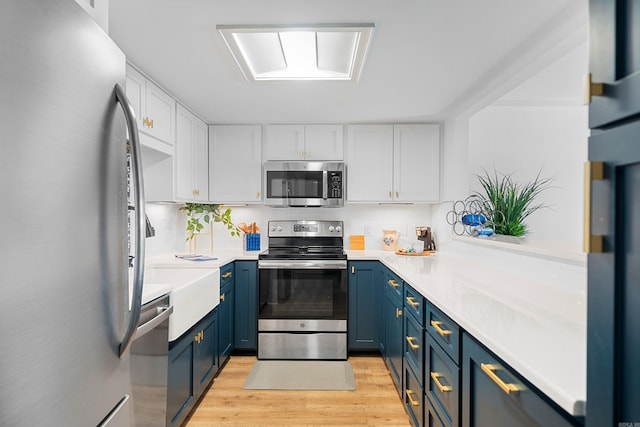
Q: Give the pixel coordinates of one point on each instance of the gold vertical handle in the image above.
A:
(257, 194)
(411, 343)
(412, 401)
(490, 370)
(308, 154)
(592, 171)
(390, 196)
(436, 325)
(353, 269)
(397, 194)
(398, 312)
(435, 376)
(221, 297)
(201, 335)
(591, 89)
(412, 302)
(302, 154)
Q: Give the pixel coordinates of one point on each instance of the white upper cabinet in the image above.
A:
(393, 163)
(304, 142)
(369, 163)
(416, 163)
(191, 157)
(155, 111)
(235, 164)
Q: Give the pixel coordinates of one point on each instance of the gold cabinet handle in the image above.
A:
(435, 376)
(221, 297)
(490, 370)
(147, 122)
(390, 196)
(257, 194)
(353, 269)
(393, 283)
(398, 312)
(592, 171)
(302, 154)
(412, 302)
(308, 154)
(227, 275)
(411, 343)
(591, 89)
(201, 335)
(397, 194)
(197, 338)
(412, 401)
(436, 325)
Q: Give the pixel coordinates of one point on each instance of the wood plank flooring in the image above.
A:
(373, 403)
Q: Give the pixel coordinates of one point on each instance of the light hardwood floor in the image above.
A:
(373, 403)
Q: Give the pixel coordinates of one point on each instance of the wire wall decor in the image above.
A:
(474, 216)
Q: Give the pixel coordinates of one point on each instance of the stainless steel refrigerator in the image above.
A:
(64, 304)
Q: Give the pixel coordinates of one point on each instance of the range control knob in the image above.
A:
(279, 228)
(331, 229)
(338, 229)
(273, 228)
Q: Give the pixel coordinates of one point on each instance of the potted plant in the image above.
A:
(509, 203)
(199, 214)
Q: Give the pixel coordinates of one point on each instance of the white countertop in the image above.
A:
(529, 311)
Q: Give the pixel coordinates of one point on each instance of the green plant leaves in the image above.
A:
(207, 212)
(510, 201)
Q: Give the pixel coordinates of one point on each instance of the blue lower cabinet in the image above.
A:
(495, 395)
(413, 397)
(193, 363)
(442, 382)
(431, 418)
(394, 338)
(364, 305)
(226, 322)
(245, 335)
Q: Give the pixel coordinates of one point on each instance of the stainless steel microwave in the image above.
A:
(309, 184)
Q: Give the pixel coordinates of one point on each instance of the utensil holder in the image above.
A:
(251, 242)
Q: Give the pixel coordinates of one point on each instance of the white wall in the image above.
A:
(367, 219)
(540, 124)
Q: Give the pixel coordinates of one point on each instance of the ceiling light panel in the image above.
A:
(300, 52)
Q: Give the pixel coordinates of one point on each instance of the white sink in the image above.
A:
(195, 292)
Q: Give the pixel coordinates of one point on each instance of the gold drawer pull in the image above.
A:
(393, 283)
(398, 312)
(435, 376)
(411, 343)
(490, 369)
(592, 171)
(411, 399)
(226, 275)
(221, 297)
(412, 302)
(436, 325)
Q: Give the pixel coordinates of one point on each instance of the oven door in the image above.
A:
(302, 296)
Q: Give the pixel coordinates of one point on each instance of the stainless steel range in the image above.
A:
(303, 292)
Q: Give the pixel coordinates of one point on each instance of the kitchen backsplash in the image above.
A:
(368, 220)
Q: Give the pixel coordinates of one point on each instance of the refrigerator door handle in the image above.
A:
(140, 223)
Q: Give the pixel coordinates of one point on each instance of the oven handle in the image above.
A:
(300, 264)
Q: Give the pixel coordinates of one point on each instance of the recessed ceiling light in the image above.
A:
(298, 52)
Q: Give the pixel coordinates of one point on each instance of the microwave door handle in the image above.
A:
(325, 185)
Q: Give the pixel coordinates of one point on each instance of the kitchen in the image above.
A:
(483, 99)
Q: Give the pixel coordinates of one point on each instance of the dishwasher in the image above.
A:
(150, 364)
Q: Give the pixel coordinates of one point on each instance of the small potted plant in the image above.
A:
(199, 214)
(508, 203)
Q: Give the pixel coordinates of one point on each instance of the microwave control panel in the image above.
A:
(334, 185)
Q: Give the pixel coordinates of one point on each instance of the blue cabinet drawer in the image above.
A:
(442, 382)
(226, 274)
(494, 394)
(413, 397)
(444, 331)
(394, 283)
(414, 303)
(414, 346)
(431, 417)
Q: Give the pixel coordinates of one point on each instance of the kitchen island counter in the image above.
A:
(530, 311)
